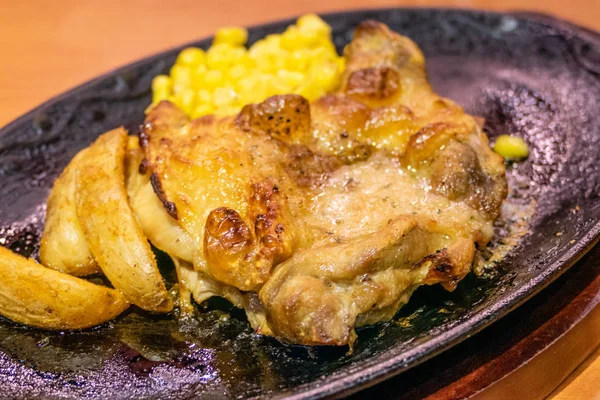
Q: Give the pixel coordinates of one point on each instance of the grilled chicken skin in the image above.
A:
(321, 217)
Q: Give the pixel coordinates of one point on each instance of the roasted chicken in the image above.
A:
(316, 218)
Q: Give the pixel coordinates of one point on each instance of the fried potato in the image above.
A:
(37, 296)
(63, 246)
(114, 237)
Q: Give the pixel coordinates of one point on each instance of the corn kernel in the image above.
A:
(161, 82)
(219, 56)
(224, 96)
(329, 47)
(233, 36)
(247, 61)
(161, 88)
(204, 96)
(178, 88)
(198, 76)
(294, 38)
(290, 38)
(327, 77)
(341, 64)
(310, 91)
(252, 89)
(276, 85)
(280, 61)
(212, 79)
(257, 48)
(314, 23)
(298, 60)
(191, 56)
(273, 41)
(185, 100)
(202, 109)
(291, 78)
(308, 39)
(265, 64)
(237, 72)
(227, 110)
(181, 75)
(239, 54)
(319, 55)
(511, 147)
(158, 96)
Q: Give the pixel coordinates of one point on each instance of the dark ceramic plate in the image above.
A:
(527, 75)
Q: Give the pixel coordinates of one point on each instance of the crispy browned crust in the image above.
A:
(449, 266)
(169, 206)
(455, 169)
(226, 233)
(308, 168)
(375, 83)
(242, 256)
(375, 45)
(284, 117)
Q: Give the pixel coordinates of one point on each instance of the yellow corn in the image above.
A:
(227, 110)
(185, 100)
(192, 56)
(224, 96)
(310, 91)
(213, 79)
(314, 23)
(251, 88)
(292, 79)
(161, 88)
(276, 85)
(511, 147)
(222, 56)
(202, 109)
(301, 60)
(232, 36)
(204, 96)
(198, 76)
(326, 77)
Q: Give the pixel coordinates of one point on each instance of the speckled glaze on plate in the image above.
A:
(528, 75)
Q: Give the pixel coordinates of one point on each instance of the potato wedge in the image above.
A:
(34, 295)
(114, 237)
(63, 246)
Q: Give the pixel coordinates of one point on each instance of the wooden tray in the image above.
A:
(526, 355)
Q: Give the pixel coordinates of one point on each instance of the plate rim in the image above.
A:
(372, 371)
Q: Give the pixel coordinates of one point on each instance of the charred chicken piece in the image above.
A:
(321, 217)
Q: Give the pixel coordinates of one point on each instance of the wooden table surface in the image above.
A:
(47, 47)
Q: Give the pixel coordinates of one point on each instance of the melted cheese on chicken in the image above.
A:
(320, 217)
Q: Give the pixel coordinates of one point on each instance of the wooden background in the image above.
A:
(47, 47)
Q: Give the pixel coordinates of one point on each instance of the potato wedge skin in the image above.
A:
(115, 239)
(63, 246)
(34, 295)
